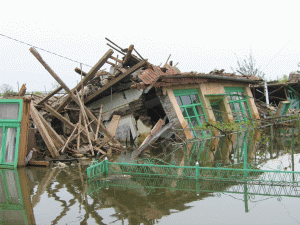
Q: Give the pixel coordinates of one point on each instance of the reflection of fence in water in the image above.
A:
(155, 185)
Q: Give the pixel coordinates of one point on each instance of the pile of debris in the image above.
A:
(69, 128)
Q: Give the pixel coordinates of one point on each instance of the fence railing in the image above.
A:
(106, 168)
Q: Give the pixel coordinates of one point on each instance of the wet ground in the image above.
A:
(62, 194)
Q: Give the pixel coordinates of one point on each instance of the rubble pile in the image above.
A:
(66, 127)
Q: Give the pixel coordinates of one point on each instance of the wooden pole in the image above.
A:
(90, 75)
(128, 55)
(49, 95)
(85, 124)
(99, 121)
(71, 94)
(69, 138)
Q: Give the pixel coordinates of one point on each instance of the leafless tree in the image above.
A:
(248, 66)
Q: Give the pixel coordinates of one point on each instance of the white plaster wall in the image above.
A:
(117, 100)
(126, 123)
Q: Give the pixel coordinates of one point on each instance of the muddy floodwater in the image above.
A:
(62, 194)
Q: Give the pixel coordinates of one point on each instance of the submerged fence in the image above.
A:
(238, 157)
(106, 168)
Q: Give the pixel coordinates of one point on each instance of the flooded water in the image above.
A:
(63, 195)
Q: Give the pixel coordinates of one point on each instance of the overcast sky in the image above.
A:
(200, 35)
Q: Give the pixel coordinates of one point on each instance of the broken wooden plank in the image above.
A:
(22, 90)
(128, 55)
(69, 138)
(99, 73)
(99, 121)
(46, 137)
(49, 95)
(154, 130)
(57, 140)
(24, 130)
(85, 118)
(150, 141)
(100, 150)
(38, 163)
(71, 94)
(113, 126)
(116, 59)
(114, 81)
(90, 75)
(59, 116)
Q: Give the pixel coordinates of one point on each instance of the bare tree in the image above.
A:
(6, 89)
(248, 67)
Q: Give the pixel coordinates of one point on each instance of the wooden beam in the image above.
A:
(71, 94)
(90, 75)
(116, 59)
(69, 138)
(57, 140)
(84, 117)
(154, 130)
(59, 116)
(49, 95)
(150, 141)
(38, 163)
(23, 143)
(47, 139)
(114, 81)
(99, 121)
(99, 73)
(128, 55)
(22, 90)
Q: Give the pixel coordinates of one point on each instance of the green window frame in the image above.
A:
(192, 109)
(10, 120)
(293, 97)
(238, 102)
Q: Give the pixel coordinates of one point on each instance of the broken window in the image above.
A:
(238, 104)
(10, 118)
(192, 110)
(293, 97)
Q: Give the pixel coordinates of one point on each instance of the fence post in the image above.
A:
(197, 170)
(105, 166)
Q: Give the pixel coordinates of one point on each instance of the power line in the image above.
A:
(43, 49)
(275, 55)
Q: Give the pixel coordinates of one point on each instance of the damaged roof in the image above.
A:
(168, 76)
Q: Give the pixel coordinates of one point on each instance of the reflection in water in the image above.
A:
(63, 195)
(15, 204)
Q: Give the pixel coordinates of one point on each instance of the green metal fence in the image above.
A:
(106, 168)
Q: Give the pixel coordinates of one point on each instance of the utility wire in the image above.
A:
(43, 50)
(275, 56)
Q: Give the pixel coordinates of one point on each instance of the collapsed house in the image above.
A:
(135, 99)
(281, 97)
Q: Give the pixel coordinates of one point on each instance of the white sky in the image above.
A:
(200, 35)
